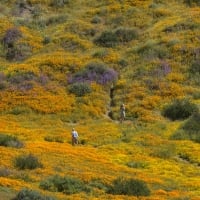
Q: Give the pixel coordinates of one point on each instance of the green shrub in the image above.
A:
(54, 139)
(97, 183)
(27, 162)
(107, 39)
(132, 187)
(164, 151)
(96, 20)
(26, 194)
(59, 3)
(10, 141)
(100, 53)
(190, 129)
(196, 95)
(80, 89)
(126, 34)
(18, 52)
(3, 85)
(4, 172)
(195, 68)
(120, 35)
(179, 109)
(56, 19)
(67, 185)
(46, 40)
(192, 2)
(18, 110)
(136, 164)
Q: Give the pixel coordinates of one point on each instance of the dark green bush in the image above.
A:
(156, 51)
(120, 35)
(56, 19)
(11, 36)
(10, 141)
(18, 110)
(3, 85)
(195, 68)
(190, 129)
(67, 185)
(80, 89)
(18, 52)
(59, 3)
(179, 109)
(46, 40)
(97, 183)
(192, 2)
(26, 194)
(96, 20)
(132, 187)
(27, 162)
(107, 39)
(126, 34)
(4, 172)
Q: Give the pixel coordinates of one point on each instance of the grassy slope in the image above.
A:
(109, 145)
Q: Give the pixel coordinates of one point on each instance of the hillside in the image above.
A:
(66, 64)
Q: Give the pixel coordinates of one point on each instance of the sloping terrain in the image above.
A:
(66, 64)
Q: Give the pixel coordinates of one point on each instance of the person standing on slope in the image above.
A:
(122, 113)
(74, 137)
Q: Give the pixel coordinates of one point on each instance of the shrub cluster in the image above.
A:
(27, 162)
(97, 72)
(119, 36)
(180, 26)
(18, 52)
(26, 194)
(10, 141)
(67, 185)
(80, 89)
(59, 3)
(22, 80)
(179, 109)
(191, 2)
(11, 36)
(131, 187)
(190, 129)
(15, 51)
(195, 67)
(3, 83)
(151, 50)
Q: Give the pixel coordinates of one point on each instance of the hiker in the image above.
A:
(122, 113)
(74, 137)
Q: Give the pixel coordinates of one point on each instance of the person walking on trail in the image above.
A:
(74, 137)
(122, 113)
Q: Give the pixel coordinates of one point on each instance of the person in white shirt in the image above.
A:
(74, 137)
(122, 113)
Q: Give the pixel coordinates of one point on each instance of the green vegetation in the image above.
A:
(67, 185)
(70, 64)
(180, 109)
(10, 141)
(80, 89)
(129, 187)
(26, 194)
(27, 162)
(190, 129)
